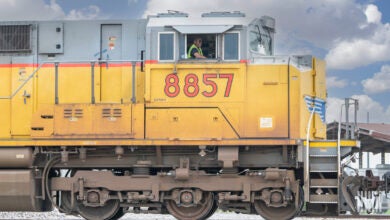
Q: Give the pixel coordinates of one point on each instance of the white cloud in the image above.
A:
(379, 83)
(20, 10)
(91, 12)
(349, 54)
(29, 10)
(333, 107)
(335, 82)
(373, 14)
(377, 112)
(362, 50)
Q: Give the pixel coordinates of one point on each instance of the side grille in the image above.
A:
(15, 38)
(73, 113)
(111, 113)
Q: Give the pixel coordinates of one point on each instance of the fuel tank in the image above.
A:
(19, 192)
(16, 157)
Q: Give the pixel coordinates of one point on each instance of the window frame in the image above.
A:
(174, 45)
(239, 45)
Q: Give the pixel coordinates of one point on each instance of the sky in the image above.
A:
(352, 36)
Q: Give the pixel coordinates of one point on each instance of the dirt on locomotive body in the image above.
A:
(104, 117)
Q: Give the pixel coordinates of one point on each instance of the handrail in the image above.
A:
(307, 167)
(339, 142)
(92, 62)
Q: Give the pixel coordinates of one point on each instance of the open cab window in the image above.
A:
(228, 49)
(209, 44)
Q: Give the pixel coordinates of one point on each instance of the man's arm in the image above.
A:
(196, 54)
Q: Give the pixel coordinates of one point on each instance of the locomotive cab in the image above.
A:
(225, 36)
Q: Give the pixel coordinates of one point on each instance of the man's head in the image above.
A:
(198, 41)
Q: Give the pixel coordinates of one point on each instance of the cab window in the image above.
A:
(166, 47)
(209, 44)
(231, 46)
(260, 40)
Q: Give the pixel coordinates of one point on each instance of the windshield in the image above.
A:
(260, 40)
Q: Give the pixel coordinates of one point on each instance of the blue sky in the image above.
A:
(353, 36)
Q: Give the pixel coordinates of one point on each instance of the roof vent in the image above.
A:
(172, 13)
(223, 14)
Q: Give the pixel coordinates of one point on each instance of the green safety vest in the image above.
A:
(192, 47)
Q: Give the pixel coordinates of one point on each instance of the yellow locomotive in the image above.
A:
(99, 118)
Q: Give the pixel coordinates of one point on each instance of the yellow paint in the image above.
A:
(176, 104)
(138, 119)
(266, 99)
(111, 84)
(187, 124)
(219, 87)
(311, 83)
(21, 105)
(320, 92)
(326, 144)
(5, 104)
(42, 124)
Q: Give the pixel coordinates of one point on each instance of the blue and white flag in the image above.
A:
(318, 105)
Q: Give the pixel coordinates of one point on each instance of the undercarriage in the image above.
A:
(188, 184)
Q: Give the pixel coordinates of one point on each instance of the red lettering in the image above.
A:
(191, 84)
(208, 82)
(191, 81)
(228, 84)
(172, 81)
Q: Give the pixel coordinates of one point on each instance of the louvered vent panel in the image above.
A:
(78, 113)
(73, 113)
(111, 113)
(15, 38)
(117, 112)
(106, 113)
(68, 113)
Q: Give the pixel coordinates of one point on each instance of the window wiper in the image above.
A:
(259, 36)
(270, 39)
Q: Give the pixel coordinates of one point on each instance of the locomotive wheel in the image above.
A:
(66, 203)
(213, 210)
(280, 213)
(203, 210)
(119, 214)
(108, 211)
(66, 198)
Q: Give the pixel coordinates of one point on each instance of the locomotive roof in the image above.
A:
(193, 21)
(214, 22)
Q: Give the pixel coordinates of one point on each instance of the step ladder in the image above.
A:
(322, 169)
(322, 173)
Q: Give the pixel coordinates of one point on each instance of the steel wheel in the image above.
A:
(119, 214)
(109, 210)
(213, 210)
(198, 212)
(279, 213)
(66, 201)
